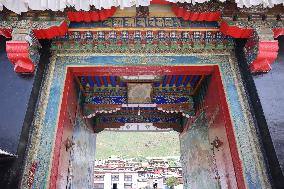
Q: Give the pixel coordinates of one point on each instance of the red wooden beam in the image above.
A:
(195, 16)
(51, 32)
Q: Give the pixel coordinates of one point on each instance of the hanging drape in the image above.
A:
(19, 6)
(235, 31)
(91, 16)
(49, 33)
(195, 16)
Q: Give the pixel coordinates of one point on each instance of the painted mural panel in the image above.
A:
(82, 156)
(197, 157)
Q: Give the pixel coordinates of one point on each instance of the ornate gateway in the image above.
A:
(168, 66)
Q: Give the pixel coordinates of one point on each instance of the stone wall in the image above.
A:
(197, 157)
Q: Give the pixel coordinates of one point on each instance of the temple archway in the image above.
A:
(210, 123)
(162, 73)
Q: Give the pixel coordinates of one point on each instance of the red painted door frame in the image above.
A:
(142, 70)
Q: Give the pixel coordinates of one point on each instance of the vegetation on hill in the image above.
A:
(137, 144)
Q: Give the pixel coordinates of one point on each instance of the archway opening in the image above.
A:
(187, 99)
(137, 159)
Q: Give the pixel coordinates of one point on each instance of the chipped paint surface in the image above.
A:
(82, 156)
(197, 158)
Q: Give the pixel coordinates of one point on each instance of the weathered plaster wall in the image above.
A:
(270, 88)
(82, 155)
(197, 157)
(266, 98)
(68, 127)
(217, 124)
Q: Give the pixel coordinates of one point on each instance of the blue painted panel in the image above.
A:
(179, 81)
(91, 82)
(109, 100)
(98, 81)
(170, 99)
(142, 22)
(137, 119)
(172, 82)
(113, 82)
(186, 80)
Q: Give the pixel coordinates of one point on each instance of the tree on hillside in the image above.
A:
(172, 182)
(172, 163)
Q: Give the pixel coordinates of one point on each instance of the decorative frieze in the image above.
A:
(143, 34)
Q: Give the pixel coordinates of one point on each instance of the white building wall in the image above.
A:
(108, 183)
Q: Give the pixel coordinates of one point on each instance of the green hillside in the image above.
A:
(137, 144)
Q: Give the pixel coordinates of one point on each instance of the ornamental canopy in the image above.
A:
(19, 6)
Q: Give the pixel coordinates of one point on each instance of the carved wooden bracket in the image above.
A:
(261, 49)
(23, 49)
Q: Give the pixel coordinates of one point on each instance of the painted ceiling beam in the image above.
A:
(187, 80)
(91, 82)
(105, 81)
(172, 81)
